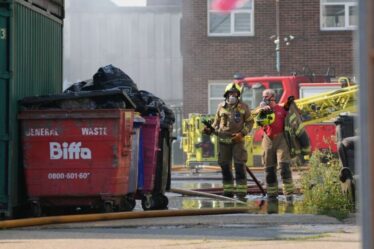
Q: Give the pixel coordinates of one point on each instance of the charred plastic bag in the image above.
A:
(155, 105)
(86, 85)
(76, 87)
(110, 77)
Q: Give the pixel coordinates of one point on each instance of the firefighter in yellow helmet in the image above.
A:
(231, 123)
(275, 148)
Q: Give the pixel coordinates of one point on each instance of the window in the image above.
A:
(216, 91)
(338, 14)
(252, 94)
(237, 22)
(277, 86)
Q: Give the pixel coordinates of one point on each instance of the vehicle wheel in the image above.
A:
(162, 201)
(128, 203)
(148, 202)
(36, 209)
(108, 207)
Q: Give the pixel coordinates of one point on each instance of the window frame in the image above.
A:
(217, 83)
(347, 5)
(232, 22)
(279, 91)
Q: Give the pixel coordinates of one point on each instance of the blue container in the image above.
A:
(140, 162)
(136, 175)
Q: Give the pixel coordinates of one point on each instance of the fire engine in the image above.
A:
(319, 100)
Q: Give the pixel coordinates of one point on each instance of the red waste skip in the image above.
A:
(322, 136)
(78, 157)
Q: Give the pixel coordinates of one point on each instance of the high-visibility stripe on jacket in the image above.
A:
(225, 140)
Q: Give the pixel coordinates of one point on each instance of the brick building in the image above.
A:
(319, 35)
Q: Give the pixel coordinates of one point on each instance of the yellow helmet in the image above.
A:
(231, 88)
(265, 118)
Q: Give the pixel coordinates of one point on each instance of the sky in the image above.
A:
(130, 3)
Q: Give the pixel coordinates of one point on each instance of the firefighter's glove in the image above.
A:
(265, 109)
(237, 137)
(208, 131)
(290, 100)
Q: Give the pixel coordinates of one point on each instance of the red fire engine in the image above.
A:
(322, 135)
(320, 129)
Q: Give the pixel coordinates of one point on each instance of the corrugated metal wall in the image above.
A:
(35, 64)
(4, 83)
(143, 42)
(37, 53)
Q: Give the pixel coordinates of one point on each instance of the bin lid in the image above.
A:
(97, 95)
(345, 117)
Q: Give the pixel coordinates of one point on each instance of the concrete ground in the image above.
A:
(208, 231)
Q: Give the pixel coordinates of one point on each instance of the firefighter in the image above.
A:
(231, 123)
(276, 151)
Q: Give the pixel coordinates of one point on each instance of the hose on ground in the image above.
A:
(113, 216)
(203, 194)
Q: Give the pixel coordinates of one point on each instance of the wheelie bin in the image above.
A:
(163, 168)
(346, 137)
(77, 158)
(345, 126)
(151, 198)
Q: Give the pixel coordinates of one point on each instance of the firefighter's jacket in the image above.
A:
(295, 134)
(232, 119)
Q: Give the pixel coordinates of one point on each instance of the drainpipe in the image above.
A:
(277, 41)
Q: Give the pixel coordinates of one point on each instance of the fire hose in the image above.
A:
(202, 194)
(114, 216)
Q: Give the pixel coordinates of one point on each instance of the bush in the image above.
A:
(321, 187)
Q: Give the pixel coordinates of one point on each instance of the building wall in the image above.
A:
(218, 58)
(144, 42)
(313, 47)
(164, 2)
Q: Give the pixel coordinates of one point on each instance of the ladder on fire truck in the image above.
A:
(326, 106)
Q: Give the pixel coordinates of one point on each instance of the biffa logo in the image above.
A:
(66, 151)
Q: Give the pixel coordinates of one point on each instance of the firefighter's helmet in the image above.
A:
(232, 87)
(265, 118)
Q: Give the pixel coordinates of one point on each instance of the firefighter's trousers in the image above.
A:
(276, 154)
(229, 152)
